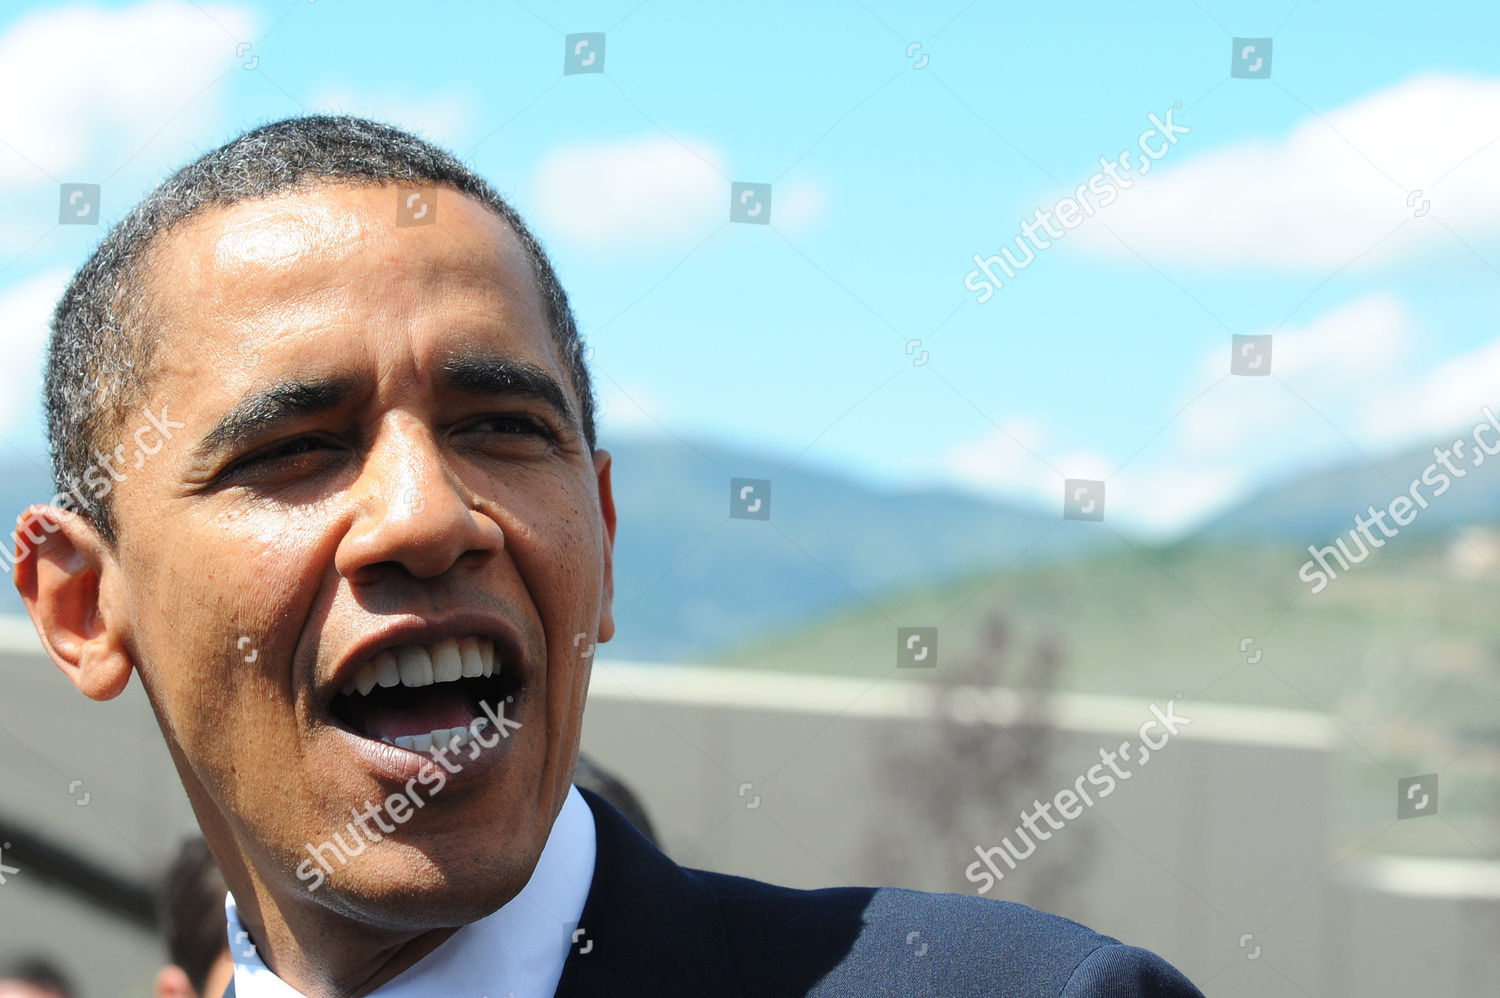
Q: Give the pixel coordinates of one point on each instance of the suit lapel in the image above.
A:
(649, 927)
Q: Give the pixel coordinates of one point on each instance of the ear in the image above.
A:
(67, 576)
(602, 462)
(172, 982)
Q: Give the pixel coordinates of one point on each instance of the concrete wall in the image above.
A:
(1223, 832)
(134, 816)
(1215, 853)
(1413, 926)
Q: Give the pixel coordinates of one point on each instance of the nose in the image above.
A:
(412, 511)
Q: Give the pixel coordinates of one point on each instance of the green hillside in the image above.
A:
(1402, 654)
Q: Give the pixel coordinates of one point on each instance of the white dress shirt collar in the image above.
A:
(517, 951)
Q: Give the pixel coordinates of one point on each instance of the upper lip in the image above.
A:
(509, 653)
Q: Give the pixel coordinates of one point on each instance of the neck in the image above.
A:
(327, 955)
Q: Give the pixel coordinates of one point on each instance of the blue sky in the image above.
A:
(1288, 210)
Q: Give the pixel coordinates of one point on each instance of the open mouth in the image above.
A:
(417, 697)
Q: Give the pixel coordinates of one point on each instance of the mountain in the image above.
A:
(690, 580)
(1315, 507)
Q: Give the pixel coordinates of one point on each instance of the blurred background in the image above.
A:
(910, 528)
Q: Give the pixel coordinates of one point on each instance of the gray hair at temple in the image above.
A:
(100, 356)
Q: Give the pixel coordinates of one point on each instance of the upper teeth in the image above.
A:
(422, 665)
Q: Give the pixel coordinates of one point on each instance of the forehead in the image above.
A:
(335, 255)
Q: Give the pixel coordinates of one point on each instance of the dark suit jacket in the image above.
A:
(653, 929)
(663, 931)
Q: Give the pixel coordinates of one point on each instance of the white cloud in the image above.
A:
(443, 119)
(1015, 458)
(1327, 192)
(1327, 376)
(1338, 365)
(1015, 462)
(626, 409)
(1350, 374)
(1161, 499)
(1445, 399)
(653, 192)
(86, 88)
(639, 192)
(1336, 375)
(25, 312)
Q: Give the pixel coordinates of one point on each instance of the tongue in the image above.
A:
(396, 711)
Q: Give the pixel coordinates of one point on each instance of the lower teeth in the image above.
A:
(452, 739)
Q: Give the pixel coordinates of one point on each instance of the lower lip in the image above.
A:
(399, 765)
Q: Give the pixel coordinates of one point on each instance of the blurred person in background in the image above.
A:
(190, 912)
(33, 976)
(591, 776)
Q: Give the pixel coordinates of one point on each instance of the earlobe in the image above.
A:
(63, 572)
(172, 982)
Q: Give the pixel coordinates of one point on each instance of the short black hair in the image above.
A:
(38, 971)
(101, 350)
(190, 911)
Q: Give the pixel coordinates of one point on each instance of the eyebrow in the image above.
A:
(483, 375)
(496, 375)
(279, 402)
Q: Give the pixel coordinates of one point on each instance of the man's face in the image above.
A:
(347, 400)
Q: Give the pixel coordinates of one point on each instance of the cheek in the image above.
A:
(571, 527)
(250, 573)
(222, 646)
(556, 549)
(561, 563)
(213, 611)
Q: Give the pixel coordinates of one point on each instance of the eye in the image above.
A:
(514, 425)
(286, 450)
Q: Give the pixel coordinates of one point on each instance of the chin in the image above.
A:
(410, 889)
